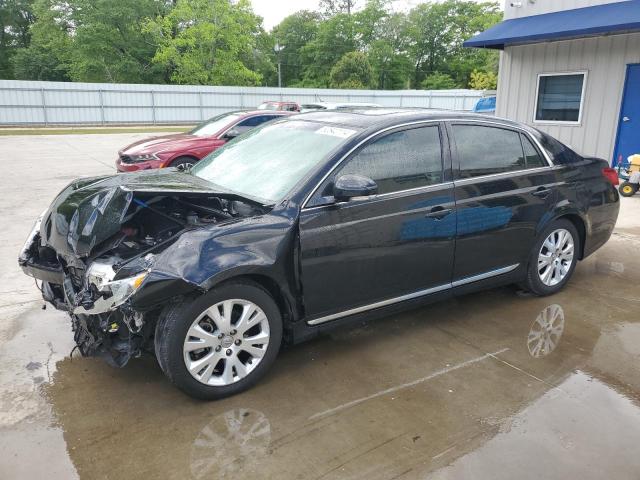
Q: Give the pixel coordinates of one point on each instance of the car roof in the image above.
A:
(249, 113)
(388, 117)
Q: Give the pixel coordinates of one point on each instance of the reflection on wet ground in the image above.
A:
(491, 385)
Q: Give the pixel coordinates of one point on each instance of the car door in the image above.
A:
(504, 186)
(398, 242)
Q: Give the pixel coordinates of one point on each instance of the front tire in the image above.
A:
(183, 163)
(222, 342)
(627, 189)
(553, 258)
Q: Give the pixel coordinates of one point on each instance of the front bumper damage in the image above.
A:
(102, 319)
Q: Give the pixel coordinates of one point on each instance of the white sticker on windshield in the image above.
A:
(336, 132)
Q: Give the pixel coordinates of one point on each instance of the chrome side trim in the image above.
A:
(482, 276)
(410, 296)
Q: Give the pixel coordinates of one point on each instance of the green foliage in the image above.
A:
(16, 16)
(47, 57)
(359, 44)
(109, 43)
(293, 34)
(203, 41)
(352, 71)
(438, 81)
(483, 80)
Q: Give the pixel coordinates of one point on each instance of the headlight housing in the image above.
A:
(113, 293)
(143, 157)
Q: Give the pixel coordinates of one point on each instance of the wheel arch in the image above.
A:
(578, 221)
(284, 300)
(172, 159)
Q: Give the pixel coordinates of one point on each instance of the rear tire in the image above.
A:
(220, 343)
(183, 163)
(627, 189)
(553, 258)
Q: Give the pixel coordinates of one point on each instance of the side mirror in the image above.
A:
(349, 186)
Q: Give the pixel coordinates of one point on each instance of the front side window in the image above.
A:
(486, 150)
(400, 160)
(559, 98)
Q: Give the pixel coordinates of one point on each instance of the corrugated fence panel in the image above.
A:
(61, 103)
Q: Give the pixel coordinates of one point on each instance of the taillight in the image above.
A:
(611, 174)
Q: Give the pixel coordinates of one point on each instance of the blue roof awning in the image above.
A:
(580, 22)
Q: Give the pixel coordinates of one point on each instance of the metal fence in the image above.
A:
(62, 103)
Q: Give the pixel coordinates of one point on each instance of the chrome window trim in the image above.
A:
(410, 296)
(497, 176)
(396, 194)
(427, 122)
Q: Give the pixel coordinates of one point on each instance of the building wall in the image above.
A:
(538, 7)
(603, 58)
(67, 103)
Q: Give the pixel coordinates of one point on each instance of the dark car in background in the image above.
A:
(311, 222)
(185, 149)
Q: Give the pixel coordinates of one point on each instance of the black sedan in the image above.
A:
(309, 223)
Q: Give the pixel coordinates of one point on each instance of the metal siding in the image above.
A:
(528, 8)
(604, 58)
(33, 102)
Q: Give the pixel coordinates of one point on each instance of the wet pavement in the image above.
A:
(495, 385)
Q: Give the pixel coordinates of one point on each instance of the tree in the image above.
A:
(331, 7)
(334, 39)
(437, 31)
(48, 55)
(483, 80)
(204, 41)
(438, 81)
(352, 71)
(16, 16)
(293, 34)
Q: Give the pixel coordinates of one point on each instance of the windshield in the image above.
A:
(215, 124)
(269, 161)
(268, 106)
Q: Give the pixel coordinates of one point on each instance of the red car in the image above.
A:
(184, 149)
(280, 106)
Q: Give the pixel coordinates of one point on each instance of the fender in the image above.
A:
(201, 259)
(563, 209)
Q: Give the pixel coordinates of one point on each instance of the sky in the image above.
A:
(273, 11)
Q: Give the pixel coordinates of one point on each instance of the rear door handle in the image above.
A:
(542, 192)
(438, 212)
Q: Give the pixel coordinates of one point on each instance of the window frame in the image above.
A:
(548, 163)
(445, 155)
(584, 74)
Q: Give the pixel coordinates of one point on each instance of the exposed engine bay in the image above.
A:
(91, 252)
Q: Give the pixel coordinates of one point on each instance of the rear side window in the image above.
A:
(400, 160)
(532, 157)
(484, 150)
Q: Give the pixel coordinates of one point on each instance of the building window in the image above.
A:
(559, 97)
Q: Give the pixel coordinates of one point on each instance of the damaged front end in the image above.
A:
(93, 253)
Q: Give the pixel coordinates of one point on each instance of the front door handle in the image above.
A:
(625, 119)
(542, 192)
(439, 212)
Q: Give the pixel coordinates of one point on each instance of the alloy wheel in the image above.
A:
(555, 257)
(226, 342)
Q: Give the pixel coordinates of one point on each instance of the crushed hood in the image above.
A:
(90, 210)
